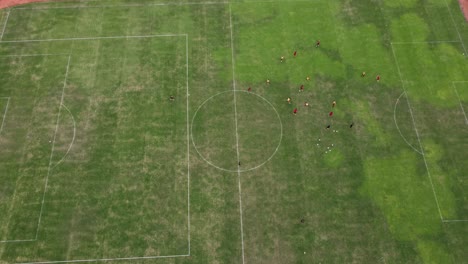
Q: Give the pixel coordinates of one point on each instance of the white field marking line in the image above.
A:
(4, 25)
(73, 139)
(155, 4)
(417, 134)
(456, 28)
(188, 139)
(396, 124)
(34, 55)
(102, 260)
(129, 258)
(454, 221)
(237, 134)
(459, 100)
(281, 132)
(245, 170)
(126, 5)
(4, 114)
(425, 42)
(92, 38)
(18, 240)
(3, 15)
(53, 146)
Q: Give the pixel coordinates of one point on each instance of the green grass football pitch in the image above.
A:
(98, 164)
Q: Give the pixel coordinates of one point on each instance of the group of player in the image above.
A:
(301, 88)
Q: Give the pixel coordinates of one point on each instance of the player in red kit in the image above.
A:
(295, 53)
(330, 114)
(317, 44)
(301, 88)
(295, 111)
(250, 89)
(377, 78)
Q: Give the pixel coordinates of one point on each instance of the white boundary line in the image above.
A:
(102, 260)
(125, 5)
(459, 100)
(4, 113)
(73, 139)
(417, 134)
(188, 139)
(237, 134)
(53, 146)
(158, 4)
(396, 124)
(92, 38)
(4, 25)
(456, 28)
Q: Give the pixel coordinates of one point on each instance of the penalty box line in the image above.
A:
(459, 100)
(456, 28)
(5, 24)
(35, 55)
(104, 259)
(417, 134)
(188, 145)
(93, 38)
(48, 170)
(420, 144)
(53, 147)
(425, 42)
(4, 113)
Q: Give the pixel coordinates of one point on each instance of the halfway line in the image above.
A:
(188, 140)
(237, 134)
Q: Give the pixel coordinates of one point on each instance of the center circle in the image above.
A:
(236, 134)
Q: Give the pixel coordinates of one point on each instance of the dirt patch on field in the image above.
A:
(464, 7)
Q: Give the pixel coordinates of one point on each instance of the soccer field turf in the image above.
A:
(97, 163)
